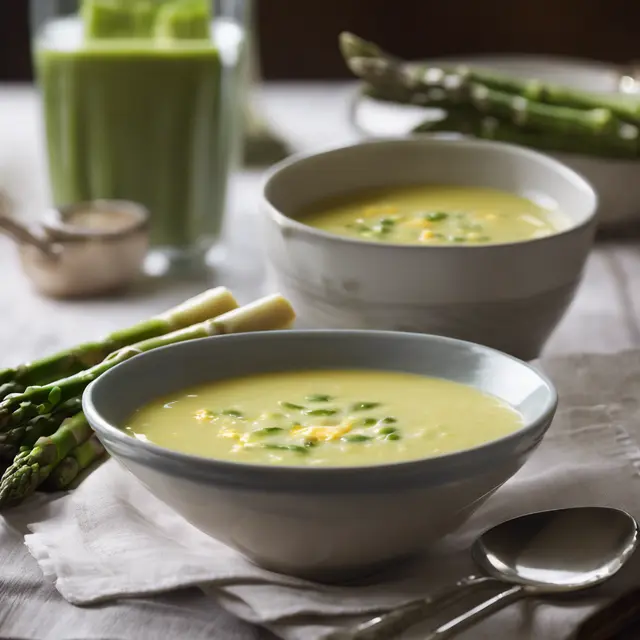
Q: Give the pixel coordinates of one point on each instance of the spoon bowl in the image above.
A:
(560, 550)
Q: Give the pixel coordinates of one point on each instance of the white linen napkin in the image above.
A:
(111, 538)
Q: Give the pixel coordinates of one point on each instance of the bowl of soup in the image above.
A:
(475, 240)
(323, 454)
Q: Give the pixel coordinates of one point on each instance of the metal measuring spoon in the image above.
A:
(544, 553)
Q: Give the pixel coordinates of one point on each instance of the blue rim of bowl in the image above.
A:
(566, 171)
(272, 476)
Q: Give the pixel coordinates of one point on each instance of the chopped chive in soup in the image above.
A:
(364, 406)
(318, 397)
(291, 405)
(321, 412)
(384, 431)
(356, 437)
(267, 431)
(375, 417)
(434, 215)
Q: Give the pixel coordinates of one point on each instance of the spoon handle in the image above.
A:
(388, 625)
(481, 611)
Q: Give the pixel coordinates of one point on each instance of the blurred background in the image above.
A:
(298, 39)
(297, 94)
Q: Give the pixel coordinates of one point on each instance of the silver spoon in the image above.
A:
(544, 553)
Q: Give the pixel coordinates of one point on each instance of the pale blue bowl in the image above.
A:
(319, 522)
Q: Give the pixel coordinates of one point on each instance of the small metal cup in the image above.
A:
(97, 247)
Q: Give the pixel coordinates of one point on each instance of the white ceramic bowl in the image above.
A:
(617, 183)
(507, 296)
(322, 523)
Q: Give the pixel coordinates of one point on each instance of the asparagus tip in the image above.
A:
(374, 70)
(352, 46)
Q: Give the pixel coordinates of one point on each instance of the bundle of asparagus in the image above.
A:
(209, 304)
(498, 107)
(43, 428)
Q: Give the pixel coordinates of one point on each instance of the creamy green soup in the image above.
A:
(324, 418)
(434, 215)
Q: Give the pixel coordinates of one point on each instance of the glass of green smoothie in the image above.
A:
(141, 102)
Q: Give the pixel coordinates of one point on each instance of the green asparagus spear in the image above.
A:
(206, 305)
(524, 114)
(26, 433)
(32, 466)
(272, 312)
(78, 460)
(396, 81)
(10, 387)
(625, 108)
(486, 128)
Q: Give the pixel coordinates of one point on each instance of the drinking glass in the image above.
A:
(140, 102)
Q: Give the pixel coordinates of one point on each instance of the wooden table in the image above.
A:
(604, 317)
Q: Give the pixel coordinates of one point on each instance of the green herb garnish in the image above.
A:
(318, 397)
(356, 437)
(291, 405)
(267, 431)
(364, 406)
(385, 431)
(320, 412)
(295, 448)
(436, 216)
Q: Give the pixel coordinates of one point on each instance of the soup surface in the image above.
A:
(434, 215)
(324, 418)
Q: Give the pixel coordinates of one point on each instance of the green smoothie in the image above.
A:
(134, 110)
